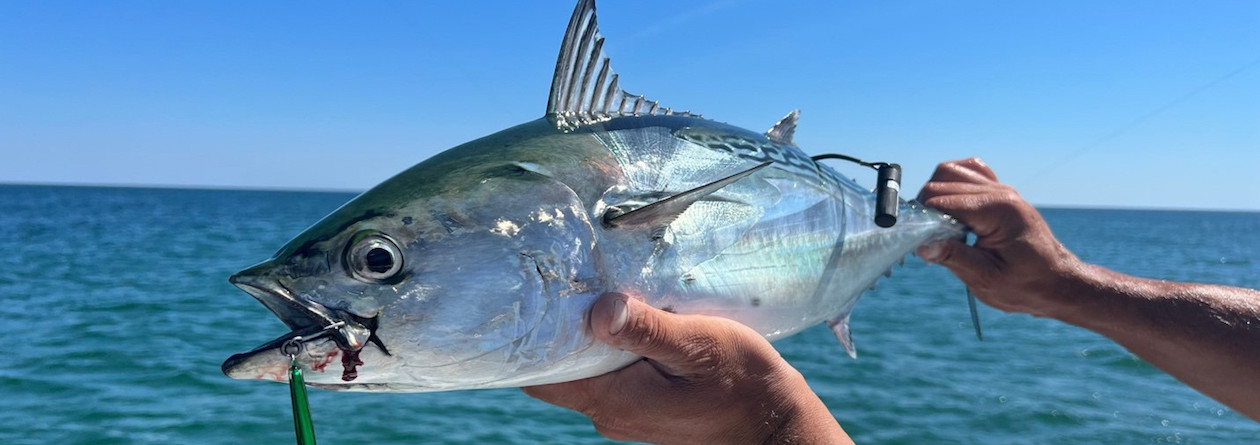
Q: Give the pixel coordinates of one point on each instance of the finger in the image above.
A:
(934, 189)
(675, 343)
(979, 167)
(967, 262)
(966, 170)
(961, 205)
(578, 395)
(623, 390)
(984, 213)
(587, 395)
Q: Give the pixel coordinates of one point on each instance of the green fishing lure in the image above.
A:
(302, 424)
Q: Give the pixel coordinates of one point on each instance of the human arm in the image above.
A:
(703, 380)
(1207, 336)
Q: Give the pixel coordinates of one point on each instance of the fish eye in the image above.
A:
(373, 257)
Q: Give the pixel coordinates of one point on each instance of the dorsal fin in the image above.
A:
(782, 131)
(663, 212)
(584, 89)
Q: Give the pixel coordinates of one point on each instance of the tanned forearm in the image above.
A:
(806, 421)
(1207, 336)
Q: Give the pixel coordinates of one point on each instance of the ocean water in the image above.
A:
(117, 313)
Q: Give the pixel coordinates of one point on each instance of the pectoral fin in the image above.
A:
(665, 211)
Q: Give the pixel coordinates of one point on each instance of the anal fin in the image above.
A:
(840, 327)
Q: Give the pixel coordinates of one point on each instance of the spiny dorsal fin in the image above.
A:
(782, 131)
(663, 212)
(584, 89)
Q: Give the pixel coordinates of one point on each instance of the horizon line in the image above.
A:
(283, 189)
(230, 188)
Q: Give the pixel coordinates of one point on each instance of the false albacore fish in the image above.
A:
(476, 267)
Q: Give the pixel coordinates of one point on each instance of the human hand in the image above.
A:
(1016, 263)
(703, 380)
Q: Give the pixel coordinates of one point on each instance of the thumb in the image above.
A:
(668, 339)
(967, 262)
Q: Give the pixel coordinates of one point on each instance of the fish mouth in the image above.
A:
(306, 319)
(297, 314)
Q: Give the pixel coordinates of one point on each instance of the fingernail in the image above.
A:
(930, 252)
(619, 316)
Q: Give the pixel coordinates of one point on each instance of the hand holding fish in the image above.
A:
(1016, 265)
(1207, 336)
(704, 380)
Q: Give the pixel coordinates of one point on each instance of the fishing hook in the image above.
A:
(297, 342)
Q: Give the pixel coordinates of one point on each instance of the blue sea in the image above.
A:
(117, 313)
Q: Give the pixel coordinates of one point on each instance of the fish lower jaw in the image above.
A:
(271, 361)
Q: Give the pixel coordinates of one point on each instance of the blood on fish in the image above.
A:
(349, 363)
(324, 361)
(275, 374)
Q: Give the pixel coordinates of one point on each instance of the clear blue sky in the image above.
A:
(1087, 103)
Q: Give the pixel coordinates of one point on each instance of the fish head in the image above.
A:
(435, 279)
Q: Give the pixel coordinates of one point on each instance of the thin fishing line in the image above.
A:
(1140, 120)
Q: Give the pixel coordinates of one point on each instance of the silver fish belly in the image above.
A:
(476, 268)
